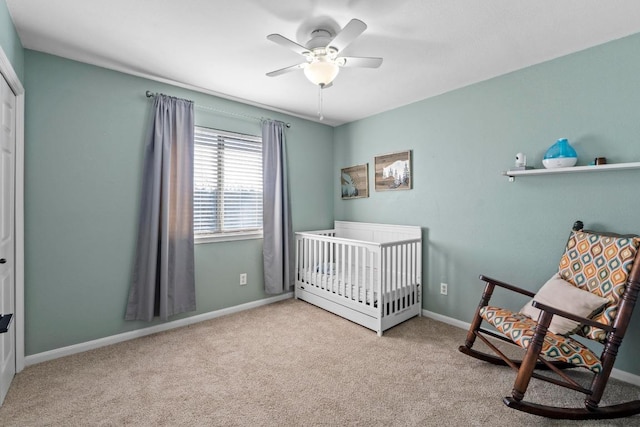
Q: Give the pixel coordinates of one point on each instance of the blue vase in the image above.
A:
(560, 155)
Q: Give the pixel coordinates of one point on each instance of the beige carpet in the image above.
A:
(285, 364)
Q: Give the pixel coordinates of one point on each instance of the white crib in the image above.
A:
(367, 273)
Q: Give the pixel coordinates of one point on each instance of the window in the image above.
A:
(227, 179)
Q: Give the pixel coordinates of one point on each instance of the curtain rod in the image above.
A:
(150, 94)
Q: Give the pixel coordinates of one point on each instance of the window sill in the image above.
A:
(228, 237)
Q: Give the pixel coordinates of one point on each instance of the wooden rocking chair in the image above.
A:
(594, 265)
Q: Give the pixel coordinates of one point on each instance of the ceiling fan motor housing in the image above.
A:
(319, 38)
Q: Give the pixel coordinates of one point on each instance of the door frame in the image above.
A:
(9, 74)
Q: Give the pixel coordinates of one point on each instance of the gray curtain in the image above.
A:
(278, 237)
(163, 277)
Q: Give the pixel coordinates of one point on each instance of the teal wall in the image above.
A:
(10, 42)
(478, 222)
(84, 136)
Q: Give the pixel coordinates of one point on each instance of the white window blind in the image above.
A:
(227, 183)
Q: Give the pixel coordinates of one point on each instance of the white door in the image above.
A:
(7, 248)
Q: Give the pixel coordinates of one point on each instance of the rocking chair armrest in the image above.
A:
(507, 286)
(579, 319)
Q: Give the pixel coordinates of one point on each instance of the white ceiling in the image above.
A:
(220, 47)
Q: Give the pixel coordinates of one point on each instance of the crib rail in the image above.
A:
(341, 266)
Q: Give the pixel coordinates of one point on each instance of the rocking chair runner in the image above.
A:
(595, 265)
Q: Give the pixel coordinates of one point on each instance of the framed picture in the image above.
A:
(393, 171)
(354, 181)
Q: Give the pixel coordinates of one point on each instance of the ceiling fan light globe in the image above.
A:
(321, 72)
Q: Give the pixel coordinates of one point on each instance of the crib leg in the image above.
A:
(380, 333)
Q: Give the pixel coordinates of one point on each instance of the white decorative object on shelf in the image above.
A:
(560, 162)
(595, 168)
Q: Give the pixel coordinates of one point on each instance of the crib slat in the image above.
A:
(387, 272)
(324, 264)
(396, 270)
(410, 275)
(362, 292)
(342, 267)
(401, 288)
(414, 273)
(390, 280)
(332, 263)
(405, 276)
(362, 289)
(299, 260)
(381, 298)
(318, 271)
(380, 280)
(314, 262)
(317, 267)
(307, 254)
(347, 289)
(387, 292)
(365, 269)
(394, 274)
(339, 264)
(372, 282)
(355, 287)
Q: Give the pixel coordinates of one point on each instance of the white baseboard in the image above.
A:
(615, 373)
(446, 319)
(101, 342)
(625, 376)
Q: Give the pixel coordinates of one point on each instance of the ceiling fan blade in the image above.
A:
(285, 42)
(354, 61)
(286, 70)
(353, 29)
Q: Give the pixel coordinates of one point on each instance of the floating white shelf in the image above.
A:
(574, 169)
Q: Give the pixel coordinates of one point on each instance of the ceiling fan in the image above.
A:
(322, 53)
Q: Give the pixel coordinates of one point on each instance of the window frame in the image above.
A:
(234, 235)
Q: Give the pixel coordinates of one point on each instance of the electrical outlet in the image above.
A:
(243, 279)
(444, 288)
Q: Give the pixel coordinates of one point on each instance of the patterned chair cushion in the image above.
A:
(599, 264)
(520, 329)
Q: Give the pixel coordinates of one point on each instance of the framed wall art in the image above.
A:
(393, 171)
(354, 182)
